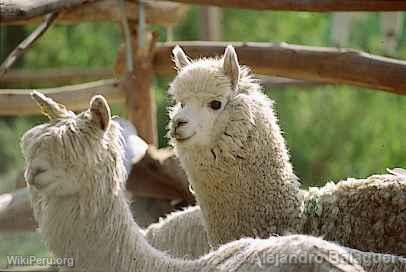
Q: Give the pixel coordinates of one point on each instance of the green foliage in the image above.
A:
(85, 45)
(337, 132)
(189, 30)
(293, 27)
(162, 115)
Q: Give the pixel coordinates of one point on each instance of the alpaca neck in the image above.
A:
(256, 184)
(101, 238)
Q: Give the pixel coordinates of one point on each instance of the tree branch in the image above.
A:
(322, 64)
(27, 43)
(75, 97)
(305, 5)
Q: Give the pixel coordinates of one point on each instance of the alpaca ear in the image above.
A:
(100, 112)
(180, 58)
(50, 108)
(231, 66)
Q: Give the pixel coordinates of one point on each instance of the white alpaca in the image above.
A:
(228, 141)
(74, 167)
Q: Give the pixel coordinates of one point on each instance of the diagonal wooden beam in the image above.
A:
(305, 5)
(27, 43)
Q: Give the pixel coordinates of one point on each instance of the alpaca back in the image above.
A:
(341, 212)
(181, 234)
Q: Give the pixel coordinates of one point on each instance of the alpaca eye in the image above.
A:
(215, 105)
(38, 171)
(182, 105)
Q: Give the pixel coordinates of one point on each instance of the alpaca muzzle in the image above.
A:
(179, 123)
(178, 129)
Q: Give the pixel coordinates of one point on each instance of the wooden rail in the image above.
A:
(26, 9)
(75, 97)
(75, 11)
(162, 12)
(306, 5)
(63, 76)
(27, 43)
(321, 64)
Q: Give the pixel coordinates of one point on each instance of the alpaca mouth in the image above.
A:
(182, 139)
(38, 186)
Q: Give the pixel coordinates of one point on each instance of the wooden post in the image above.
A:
(211, 27)
(140, 97)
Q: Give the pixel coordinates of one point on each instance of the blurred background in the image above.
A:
(333, 131)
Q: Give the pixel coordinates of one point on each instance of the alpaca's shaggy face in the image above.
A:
(201, 96)
(61, 153)
(203, 90)
(45, 171)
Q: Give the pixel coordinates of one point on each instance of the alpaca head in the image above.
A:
(66, 155)
(213, 96)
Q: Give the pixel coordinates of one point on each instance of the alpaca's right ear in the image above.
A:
(180, 58)
(100, 112)
(231, 66)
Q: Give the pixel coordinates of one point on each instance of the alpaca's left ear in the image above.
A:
(50, 108)
(231, 66)
(180, 58)
(100, 112)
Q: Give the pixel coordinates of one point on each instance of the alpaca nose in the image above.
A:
(180, 123)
